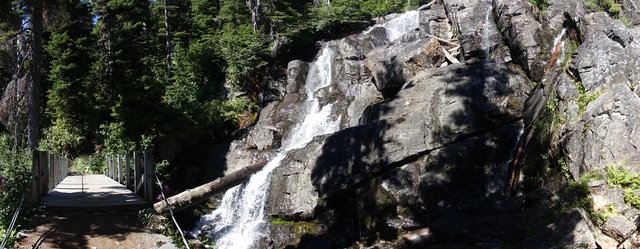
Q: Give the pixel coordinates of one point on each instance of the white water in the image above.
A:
(404, 23)
(400, 25)
(559, 42)
(240, 220)
(486, 34)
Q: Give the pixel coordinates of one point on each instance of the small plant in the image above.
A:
(570, 48)
(540, 4)
(629, 182)
(604, 214)
(584, 98)
(609, 6)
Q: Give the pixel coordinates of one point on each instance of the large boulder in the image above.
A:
(391, 66)
(296, 75)
(559, 10)
(479, 34)
(608, 135)
(609, 54)
(572, 229)
(528, 40)
(438, 108)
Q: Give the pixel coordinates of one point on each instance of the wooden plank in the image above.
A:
(92, 193)
(136, 172)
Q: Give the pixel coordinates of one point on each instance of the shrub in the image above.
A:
(14, 177)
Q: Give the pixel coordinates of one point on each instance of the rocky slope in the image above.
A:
(479, 127)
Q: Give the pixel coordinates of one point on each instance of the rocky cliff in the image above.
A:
(465, 124)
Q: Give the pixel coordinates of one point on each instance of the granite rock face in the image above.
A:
(426, 144)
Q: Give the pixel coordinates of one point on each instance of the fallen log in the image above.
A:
(201, 193)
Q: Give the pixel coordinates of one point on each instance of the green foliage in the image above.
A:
(348, 11)
(584, 98)
(540, 4)
(629, 182)
(115, 142)
(15, 165)
(88, 165)
(609, 6)
(576, 195)
(570, 48)
(62, 138)
(245, 52)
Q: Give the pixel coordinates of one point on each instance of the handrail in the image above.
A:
(48, 170)
(136, 176)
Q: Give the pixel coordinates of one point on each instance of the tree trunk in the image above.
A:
(167, 32)
(196, 195)
(36, 74)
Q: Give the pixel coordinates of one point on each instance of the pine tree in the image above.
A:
(70, 102)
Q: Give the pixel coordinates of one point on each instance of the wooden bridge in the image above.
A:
(125, 185)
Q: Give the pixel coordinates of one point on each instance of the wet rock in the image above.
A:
(349, 48)
(292, 194)
(529, 41)
(572, 229)
(618, 228)
(296, 75)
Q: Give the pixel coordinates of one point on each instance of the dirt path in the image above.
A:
(92, 231)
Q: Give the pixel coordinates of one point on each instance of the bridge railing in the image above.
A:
(133, 170)
(48, 170)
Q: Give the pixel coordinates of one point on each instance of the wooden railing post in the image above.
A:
(35, 174)
(136, 171)
(52, 172)
(44, 173)
(148, 175)
(127, 163)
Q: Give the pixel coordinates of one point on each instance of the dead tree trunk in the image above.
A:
(196, 195)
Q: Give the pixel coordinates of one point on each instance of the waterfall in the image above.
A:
(402, 24)
(486, 34)
(556, 50)
(254, 6)
(557, 40)
(239, 222)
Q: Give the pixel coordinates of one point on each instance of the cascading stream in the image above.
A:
(240, 220)
(486, 34)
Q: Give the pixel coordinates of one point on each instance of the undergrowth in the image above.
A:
(629, 182)
(584, 98)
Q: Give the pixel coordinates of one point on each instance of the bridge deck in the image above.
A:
(89, 193)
